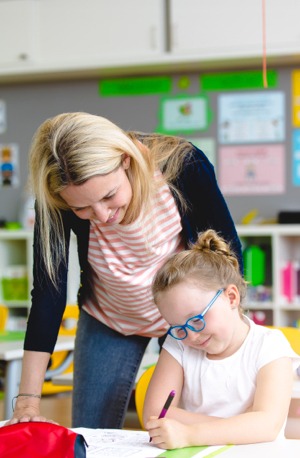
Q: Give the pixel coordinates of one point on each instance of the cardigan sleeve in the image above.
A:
(206, 206)
(48, 302)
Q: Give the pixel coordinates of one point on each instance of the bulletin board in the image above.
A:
(250, 133)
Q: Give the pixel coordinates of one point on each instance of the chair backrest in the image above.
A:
(140, 392)
(69, 322)
(3, 316)
(292, 335)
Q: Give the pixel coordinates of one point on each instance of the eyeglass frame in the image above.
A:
(186, 326)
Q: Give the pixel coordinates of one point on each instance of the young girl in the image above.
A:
(232, 378)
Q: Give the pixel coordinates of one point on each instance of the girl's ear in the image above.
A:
(233, 294)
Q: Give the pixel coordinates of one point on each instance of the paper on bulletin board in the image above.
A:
(296, 157)
(118, 87)
(207, 145)
(228, 81)
(296, 98)
(185, 114)
(2, 117)
(9, 165)
(252, 117)
(251, 170)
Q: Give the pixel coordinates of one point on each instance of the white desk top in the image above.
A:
(136, 444)
(14, 349)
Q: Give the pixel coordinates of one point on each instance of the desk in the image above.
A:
(11, 352)
(136, 444)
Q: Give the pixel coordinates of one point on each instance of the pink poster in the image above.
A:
(248, 170)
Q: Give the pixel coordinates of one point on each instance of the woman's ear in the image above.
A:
(233, 295)
(126, 161)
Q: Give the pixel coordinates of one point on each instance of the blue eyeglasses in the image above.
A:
(195, 324)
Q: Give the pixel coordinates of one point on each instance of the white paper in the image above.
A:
(116, 443)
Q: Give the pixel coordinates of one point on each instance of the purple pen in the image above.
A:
(167, 404)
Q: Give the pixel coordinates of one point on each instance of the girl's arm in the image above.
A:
(261, 423)
(33, 374)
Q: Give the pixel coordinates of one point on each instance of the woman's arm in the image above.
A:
(261, 423)
(34, 367)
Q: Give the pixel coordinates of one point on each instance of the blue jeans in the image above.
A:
(105, 366)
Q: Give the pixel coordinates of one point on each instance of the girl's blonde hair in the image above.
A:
(71, 148)
(209, 263)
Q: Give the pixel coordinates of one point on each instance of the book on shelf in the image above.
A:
(290, 282)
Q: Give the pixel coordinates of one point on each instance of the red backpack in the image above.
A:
(40, 440)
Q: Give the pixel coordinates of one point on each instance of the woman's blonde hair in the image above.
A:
(71, 148)
(209, 263)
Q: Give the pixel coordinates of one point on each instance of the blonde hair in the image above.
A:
(71, 148)
(210, 263)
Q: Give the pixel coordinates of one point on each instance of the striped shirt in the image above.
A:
(124, 259)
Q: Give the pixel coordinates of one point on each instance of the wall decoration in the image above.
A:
(296, 157)
(231, 81)
(185, 114)
(9, 165)
(251, 117)
(251, 170)
(207, 145)
(2, 116)
(135, 86)
(296, 98)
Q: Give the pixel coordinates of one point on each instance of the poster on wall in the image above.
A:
(250, 170)
(295, 98)
(207, 145)
(183, 114)
(2, 117)
(253, 117)
(296, 157)
(9, 163)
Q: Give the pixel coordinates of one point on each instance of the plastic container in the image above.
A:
(15, 283)
(254, 265)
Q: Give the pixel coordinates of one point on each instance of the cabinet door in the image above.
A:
(98, 31)
(233, 28)
(18, 32)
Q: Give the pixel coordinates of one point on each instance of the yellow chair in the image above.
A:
(68, 327)
(3, 316)
(140, 392)
(292, 335)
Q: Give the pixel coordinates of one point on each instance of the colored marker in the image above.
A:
(167, 404)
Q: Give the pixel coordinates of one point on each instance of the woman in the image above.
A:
(132, 200)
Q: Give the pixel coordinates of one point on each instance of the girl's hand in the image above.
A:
(167, 434)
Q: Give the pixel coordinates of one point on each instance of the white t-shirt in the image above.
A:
(226, 387)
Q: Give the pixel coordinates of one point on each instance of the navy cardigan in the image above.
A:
(206, 208)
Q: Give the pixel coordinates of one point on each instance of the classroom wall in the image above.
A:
(28, 105)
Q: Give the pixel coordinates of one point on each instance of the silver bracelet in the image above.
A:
(39, 396)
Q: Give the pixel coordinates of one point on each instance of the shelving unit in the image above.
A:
(16, 249)
(281, 244)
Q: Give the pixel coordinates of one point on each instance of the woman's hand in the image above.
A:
(27, 409)
(167, 434)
